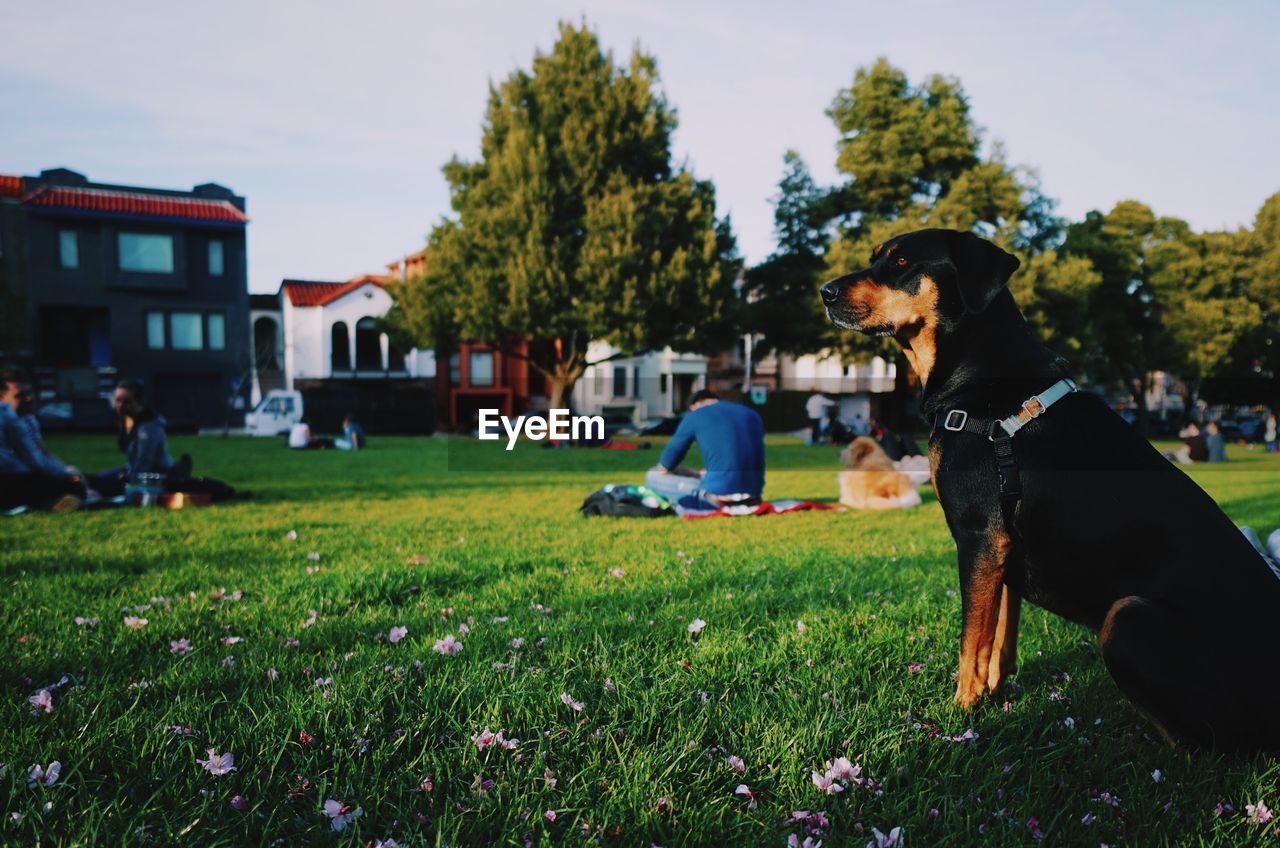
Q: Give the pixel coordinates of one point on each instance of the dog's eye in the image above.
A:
(902, 260)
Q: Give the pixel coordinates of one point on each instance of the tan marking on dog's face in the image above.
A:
(911, 317)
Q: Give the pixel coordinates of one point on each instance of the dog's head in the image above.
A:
(863, 452)
(917, 278)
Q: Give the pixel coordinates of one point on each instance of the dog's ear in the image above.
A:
(860, 449)
(984, 269)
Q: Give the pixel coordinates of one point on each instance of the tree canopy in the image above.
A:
(574, 225)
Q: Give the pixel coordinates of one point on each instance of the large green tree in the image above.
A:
(574, 225)
(781, 309)
(912, 157)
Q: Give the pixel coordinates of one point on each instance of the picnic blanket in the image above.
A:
(763, 508)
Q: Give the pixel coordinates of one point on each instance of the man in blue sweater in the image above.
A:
(731, 439)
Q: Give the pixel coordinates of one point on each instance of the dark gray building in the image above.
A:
(102, 281)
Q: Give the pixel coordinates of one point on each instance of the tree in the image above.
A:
(782, 307)
(574, 226)
(913, 158)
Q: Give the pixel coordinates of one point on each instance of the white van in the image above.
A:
(275, 414)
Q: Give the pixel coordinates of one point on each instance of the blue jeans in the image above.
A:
(682, 491)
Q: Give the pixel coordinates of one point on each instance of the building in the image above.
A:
(315, 330)
(785, 382)
(652, 385)
(105, 281)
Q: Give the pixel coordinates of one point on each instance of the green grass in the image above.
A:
(405, 530)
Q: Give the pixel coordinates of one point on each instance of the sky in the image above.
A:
(334, 118)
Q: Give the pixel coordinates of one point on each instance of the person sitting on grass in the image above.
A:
(731, 439)
(353, 438)
(1215, 443)
(142, 440)
(29, 476)
(300, 437)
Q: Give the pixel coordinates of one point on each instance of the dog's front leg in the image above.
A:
(983, 559)
(1004, 653)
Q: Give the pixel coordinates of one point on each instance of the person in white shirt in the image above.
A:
(300, 435)
(816, 409)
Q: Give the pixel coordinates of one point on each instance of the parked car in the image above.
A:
(77, 415)
(275, 414)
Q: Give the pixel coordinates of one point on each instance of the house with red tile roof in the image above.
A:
(101, 281)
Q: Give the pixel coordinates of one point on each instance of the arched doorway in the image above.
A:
(339, 348)
(368, 346)
(266, 345)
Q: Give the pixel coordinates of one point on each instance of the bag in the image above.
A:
(626, 501)
(215, 490)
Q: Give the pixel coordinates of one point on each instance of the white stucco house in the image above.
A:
(653, 385)
(328, 330)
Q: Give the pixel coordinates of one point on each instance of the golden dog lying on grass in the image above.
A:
(871, 481)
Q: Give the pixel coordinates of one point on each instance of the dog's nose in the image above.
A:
(831, 292)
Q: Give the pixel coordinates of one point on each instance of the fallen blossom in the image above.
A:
(745, 791)
(549, 815)
(135, 623)
(38, 776)
(292, 535)
(239, 804)
(218, 764)
(86, 622)
(41, 701)
(736, 763)
(271, 674)
(610, 686)
(517, 643)
(1088, 819)
(567, 700)
(794, 841)
(1157, 775)
(310, 619)
(485, 738)
(231, 640)
(801, 627)
(828, 785)
(396, 634)
(447, 645)
(696, 626)
(340, 815)
(1258, 813)
(880, 840)
(180, 646)
(314, 556)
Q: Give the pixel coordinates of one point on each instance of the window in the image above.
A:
(217, 331)
(619, 381)
(662, 383)
(69, 248)
(215, 258)
(186, 331)
(368, 345)
(339, 348)
(599, 378)
(480, 368)
(455, 369)
(146, 252)
(635, 381)
(155, 330)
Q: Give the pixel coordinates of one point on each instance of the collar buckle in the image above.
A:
(957, 426)
(1034, 406)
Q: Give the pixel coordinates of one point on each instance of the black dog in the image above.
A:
(1072, 510)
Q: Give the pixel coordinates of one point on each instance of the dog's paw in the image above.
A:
(969, 690)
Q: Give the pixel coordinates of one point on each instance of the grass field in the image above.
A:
(316, 703)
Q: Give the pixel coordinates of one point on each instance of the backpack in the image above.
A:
(626, 501)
